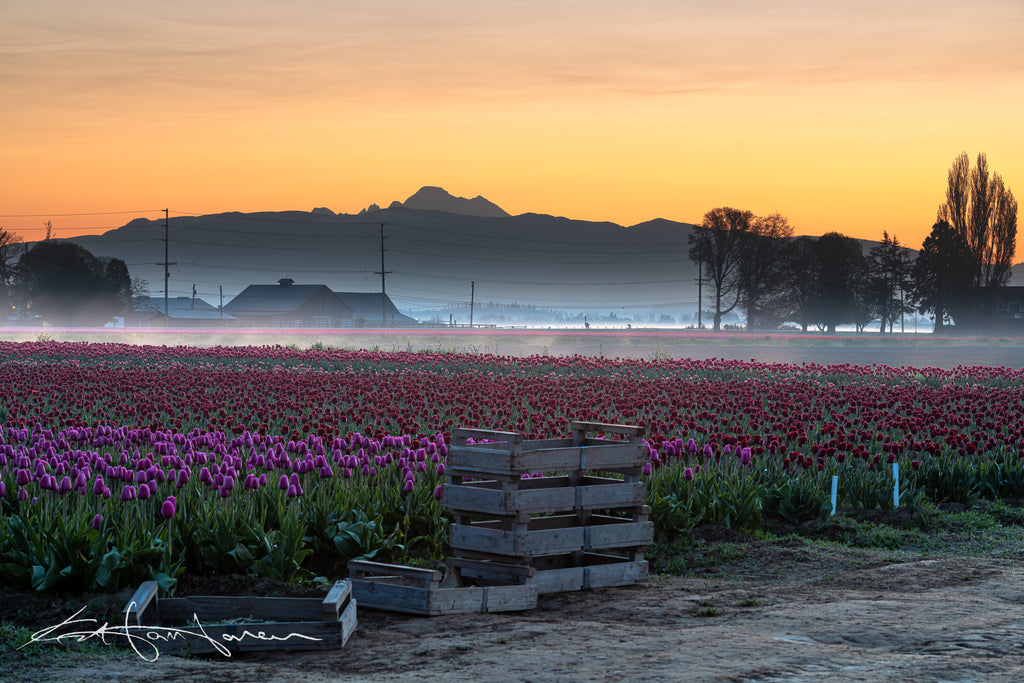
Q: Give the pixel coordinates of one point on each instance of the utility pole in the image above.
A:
(193, 296)
(167, 265)
(383, 274)
(221, 307)
(700, 282)
(472, 292)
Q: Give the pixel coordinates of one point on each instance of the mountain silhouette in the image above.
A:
(438, 250)
(429, 198)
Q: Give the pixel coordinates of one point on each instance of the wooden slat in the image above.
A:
(551, 536)
(460, 434)
(138, 608)
(349, 621)
(538, 444)
(500, 572)
(590, 575)
(254, 637)
(436, 601)
(336, 600)
(360, 568)
(481, 600)
(220, 608)
(473, 498)
(632, 430)
(393, 598)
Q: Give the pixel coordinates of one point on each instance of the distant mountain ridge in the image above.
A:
(440, 250)
(430, 198)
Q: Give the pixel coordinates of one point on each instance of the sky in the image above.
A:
(839, 115)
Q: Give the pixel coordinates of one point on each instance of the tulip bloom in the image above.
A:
(167, 510)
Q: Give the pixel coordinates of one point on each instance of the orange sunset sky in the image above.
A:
(840, 115)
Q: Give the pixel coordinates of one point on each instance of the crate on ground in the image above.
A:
(559, 514)
(227, 624)
(414, 590)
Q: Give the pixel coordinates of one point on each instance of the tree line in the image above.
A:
(754, 264)
(62, 283)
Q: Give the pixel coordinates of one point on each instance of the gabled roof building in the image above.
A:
(287, 304)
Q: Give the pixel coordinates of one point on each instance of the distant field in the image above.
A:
(907, 350)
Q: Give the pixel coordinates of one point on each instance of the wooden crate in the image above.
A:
(552, 535)
(197, 625)
(496, 497)
(570, 529)
(563, 573)
(507, 454)
(413, 590)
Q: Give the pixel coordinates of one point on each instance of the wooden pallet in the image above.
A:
(398, 588)
(196, 624)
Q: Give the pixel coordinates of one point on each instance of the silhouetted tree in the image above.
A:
(715, 244)
(8, 242)
(800, 281)
(840, 264)
(982, 212)
(762, 271)
(888, 278)
(66, 284)
(941, 276)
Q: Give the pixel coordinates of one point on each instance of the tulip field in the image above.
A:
(122, 463)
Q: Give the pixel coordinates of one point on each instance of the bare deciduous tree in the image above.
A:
(982, 211)
(715, 244)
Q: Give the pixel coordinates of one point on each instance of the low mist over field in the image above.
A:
(910, 351)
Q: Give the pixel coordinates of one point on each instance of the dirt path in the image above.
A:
(804, 619)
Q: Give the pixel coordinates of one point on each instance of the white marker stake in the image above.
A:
(835, 491)
(895, 484)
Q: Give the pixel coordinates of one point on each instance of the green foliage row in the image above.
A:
(55, 544)
(743, 498)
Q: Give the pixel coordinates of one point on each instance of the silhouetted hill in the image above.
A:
(430, 198)
(432, 255)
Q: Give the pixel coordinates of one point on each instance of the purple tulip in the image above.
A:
(167, 510)
(688, 473)
(409, 485)
(129, 493)
(437, 491)
(97, 522)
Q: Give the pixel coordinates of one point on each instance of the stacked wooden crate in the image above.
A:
(560, 514)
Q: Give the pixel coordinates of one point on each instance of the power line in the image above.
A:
(64, 215)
